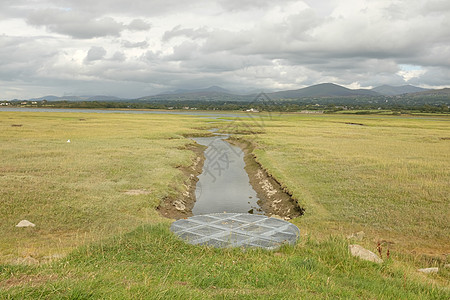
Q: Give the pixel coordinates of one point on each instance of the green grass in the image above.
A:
(151, 263)
(388, 178)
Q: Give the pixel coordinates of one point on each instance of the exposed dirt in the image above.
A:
(29, 280)
(136, 192)
(274, 200)
(180, 207)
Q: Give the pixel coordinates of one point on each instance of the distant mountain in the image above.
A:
(211, 89)
(325, 92)
(213, 93)
(48, 98)
(321, 90)
(440, 92)
(389, 90)
(103, 98)
(77, 98)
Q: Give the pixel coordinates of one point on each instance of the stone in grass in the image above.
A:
(358, 251)
(25, 223)
(429, 270)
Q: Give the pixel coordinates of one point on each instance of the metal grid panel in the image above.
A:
(236, 230)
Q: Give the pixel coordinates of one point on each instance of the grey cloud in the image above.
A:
(118, 56)
(436, 6)
(185, 51)
(138, 7)
(221, 40)
(433, 76)
(75, 24)
(262, 43)
(238, 5)
(95, 53)
(22, 58)
(223, 62)
(187, 32)
(138, 25)
(150, 56)
(128, 44)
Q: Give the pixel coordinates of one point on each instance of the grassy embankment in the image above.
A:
(75, 193)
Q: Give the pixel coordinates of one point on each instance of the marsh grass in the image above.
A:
(388, 178)
(385, 175)
(75, 192)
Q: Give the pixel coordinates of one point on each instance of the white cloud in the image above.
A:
(409, 72)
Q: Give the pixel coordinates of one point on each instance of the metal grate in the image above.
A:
(236, 230)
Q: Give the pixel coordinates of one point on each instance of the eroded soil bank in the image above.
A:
(180, 207)
(274, 201)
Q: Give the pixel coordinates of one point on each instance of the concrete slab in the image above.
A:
(236, 230)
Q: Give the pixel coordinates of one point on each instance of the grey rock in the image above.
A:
(364, 254)
(25, 223)
(179, 205)
(429, 270)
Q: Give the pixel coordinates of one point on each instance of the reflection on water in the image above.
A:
(224, 184)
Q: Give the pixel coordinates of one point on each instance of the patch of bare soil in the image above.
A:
(274, 200)
(30, 280)
(180, 207)
(136, 192)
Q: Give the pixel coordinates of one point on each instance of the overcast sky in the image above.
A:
(143, 47)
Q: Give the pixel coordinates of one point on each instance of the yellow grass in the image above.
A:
(77, 192)
(388, 177)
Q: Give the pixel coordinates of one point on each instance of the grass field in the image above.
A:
(76, 192)
(388, 177)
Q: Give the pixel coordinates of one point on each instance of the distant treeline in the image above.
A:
(396, 104)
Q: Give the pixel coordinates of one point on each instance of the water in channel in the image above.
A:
(224, 185)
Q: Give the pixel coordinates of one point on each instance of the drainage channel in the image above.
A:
(226, 212)
(224, 185)
(226, 178)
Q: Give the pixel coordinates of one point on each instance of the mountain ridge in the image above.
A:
(321, 90)
(217, 93)
(389, 90)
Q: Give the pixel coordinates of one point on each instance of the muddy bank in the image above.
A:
(180, 207)
(274, 200)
